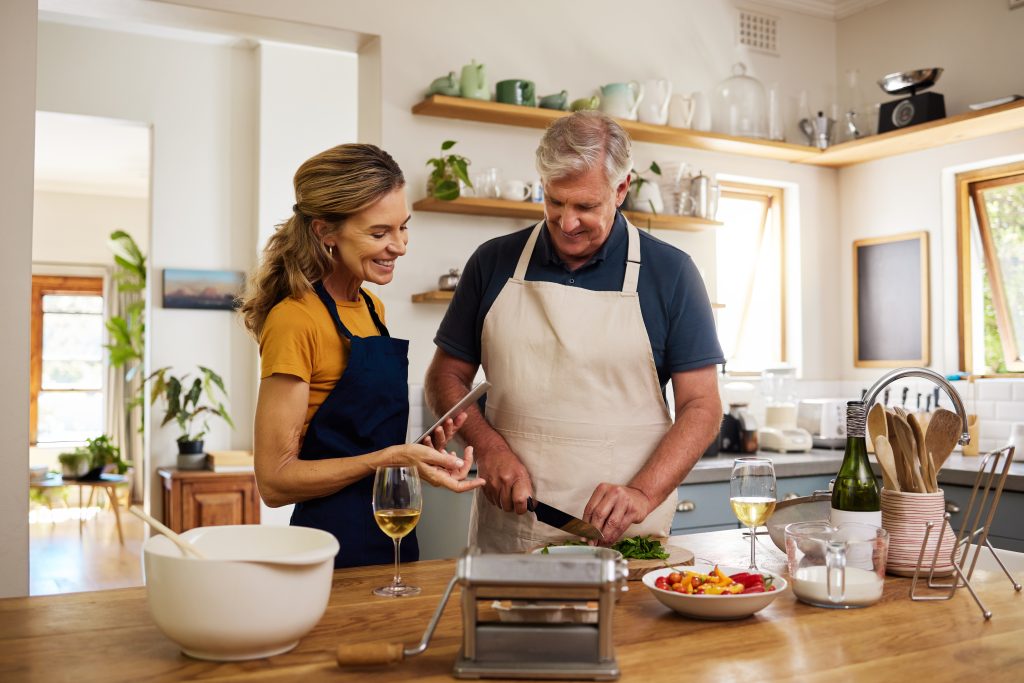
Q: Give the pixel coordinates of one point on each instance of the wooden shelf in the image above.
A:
(503, 208)
(535, 117)
(436, 296)
(957, 128)
(973, 124)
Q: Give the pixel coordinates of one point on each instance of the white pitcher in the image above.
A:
(621, 100)
(654, 108)
(680, 111)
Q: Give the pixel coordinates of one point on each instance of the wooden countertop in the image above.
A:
(109, 635)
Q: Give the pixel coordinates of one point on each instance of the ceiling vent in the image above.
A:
(759, 32)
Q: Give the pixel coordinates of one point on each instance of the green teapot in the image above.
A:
(473, 83)
(445, 85)
(585, 103)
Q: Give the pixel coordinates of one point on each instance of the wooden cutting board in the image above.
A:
(676, 556)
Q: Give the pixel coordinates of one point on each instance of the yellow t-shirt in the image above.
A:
(299, 338)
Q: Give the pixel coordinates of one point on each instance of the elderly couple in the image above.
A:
(579, 323)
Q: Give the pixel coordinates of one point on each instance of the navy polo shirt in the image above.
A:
(673, 300)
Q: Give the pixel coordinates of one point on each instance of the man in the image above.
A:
(579, 322)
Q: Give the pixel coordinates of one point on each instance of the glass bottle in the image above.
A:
(855, 495)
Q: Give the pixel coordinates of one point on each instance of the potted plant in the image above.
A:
(93, 459)
(189, 404)
(644, 194)
(448, 170)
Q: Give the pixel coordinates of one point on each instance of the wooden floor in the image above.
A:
(64, 560)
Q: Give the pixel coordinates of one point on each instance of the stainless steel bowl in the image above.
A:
(909, 81)
(814, 507)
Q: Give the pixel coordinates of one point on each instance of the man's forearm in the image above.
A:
(679, 450)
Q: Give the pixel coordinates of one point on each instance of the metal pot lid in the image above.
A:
(806, 509)
(909, 81)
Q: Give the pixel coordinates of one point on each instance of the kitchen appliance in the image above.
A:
(739, 430)
(495, 647)
(781, 432)
(825, 419)
(918, 108)
(562, 521)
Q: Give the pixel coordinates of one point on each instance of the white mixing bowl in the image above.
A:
(259, 590)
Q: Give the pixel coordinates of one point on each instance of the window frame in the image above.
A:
(968, 184)
(772, 198)
(43, 285)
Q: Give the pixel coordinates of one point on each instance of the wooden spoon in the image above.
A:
(876, 423)
(907, 445)
(903, 476)
(922, 452)
(943, 435)
(185, 546)
(887, 461)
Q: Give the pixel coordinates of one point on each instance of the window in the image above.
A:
(67, 359)
(750, 269)
(990, 206)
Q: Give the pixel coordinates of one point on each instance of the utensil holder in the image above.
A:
(905, 516)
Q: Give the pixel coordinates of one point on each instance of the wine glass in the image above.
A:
(397, 503)
(752, 494)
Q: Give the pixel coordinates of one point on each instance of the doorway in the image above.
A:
(92, 182)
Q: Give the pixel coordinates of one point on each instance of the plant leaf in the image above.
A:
(655, 168)
(447, 144)
(447, 190)
(459, 166)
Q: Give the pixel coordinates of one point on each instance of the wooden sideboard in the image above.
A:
(204, 498)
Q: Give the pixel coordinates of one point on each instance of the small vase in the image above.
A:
(904, 516)
(191, 455)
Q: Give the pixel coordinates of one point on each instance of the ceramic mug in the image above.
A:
(557, 101)
(516, 91)
(516, 190)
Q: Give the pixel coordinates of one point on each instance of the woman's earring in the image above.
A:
(330, 250)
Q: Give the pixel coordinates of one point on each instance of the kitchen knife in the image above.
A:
(562, 520)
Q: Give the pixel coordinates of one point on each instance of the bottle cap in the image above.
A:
(856, 417)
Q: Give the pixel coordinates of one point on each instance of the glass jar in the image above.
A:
(739, 106)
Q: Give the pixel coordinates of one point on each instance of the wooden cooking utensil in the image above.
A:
(876, 423)
(907, 446)
(922, 453)
(886, 460)
(903, 476)
(943, 435)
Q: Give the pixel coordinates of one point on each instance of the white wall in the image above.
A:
(291, 130)
(202, 104)
(74, 228)
(17, 136)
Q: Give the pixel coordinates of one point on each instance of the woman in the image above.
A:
(333, 399)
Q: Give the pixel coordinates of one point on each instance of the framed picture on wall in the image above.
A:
(203, 289)
(891, 301)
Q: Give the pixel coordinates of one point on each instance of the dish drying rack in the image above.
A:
(981, 510)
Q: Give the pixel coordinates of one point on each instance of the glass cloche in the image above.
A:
(739, 106)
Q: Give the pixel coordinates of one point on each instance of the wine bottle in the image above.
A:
(855, 495)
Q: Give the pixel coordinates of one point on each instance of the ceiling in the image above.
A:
(91, 155)
(827, 9)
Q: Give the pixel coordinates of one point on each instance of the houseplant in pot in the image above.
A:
(190, 403)
(97, 456)
(446, 172)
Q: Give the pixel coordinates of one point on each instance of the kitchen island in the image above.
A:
(109, 636)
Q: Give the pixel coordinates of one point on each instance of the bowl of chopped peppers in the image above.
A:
(714, 592)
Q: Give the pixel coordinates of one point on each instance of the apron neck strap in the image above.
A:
(332, 308)
(632, 257)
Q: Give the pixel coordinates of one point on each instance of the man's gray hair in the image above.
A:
(577, 143)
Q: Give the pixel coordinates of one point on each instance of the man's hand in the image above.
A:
(508, 482)
(612, 509)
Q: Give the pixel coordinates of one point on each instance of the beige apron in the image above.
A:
(576, 396)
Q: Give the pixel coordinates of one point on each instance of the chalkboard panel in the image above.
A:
(891, 301)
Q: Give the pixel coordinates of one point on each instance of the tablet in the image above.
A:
(467, 400)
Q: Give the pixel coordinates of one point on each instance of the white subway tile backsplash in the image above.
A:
(995, 390)
(983, 409)
(1018, 390)
(1012, 411)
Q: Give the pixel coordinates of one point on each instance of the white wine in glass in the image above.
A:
(752, 495)
(397, 503)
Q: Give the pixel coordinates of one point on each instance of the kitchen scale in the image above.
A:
(505, 635)
(918, 108)
(780, 432)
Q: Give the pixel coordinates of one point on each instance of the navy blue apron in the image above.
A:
(367, 410)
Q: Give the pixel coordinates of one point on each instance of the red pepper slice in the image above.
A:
(753, 589)
(748, 580)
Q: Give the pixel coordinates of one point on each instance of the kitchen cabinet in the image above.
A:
(705, 507)
(966, 126)
(1006, 531)
(203, 498)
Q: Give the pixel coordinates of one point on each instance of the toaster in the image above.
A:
(825, 419)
